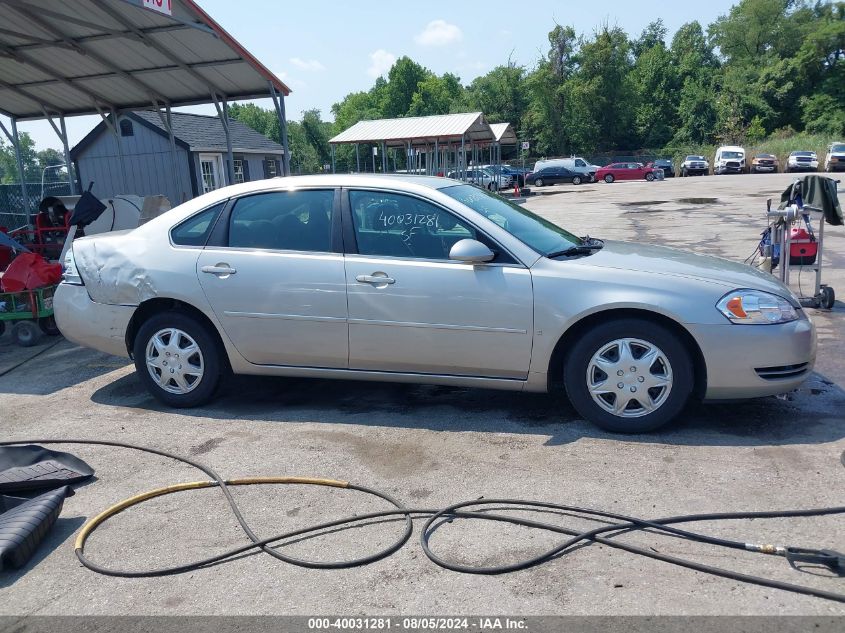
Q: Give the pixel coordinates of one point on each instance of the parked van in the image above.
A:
(576, 164)
(729, 159)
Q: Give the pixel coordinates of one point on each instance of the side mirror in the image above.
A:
(471, 252)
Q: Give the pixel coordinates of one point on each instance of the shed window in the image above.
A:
(126, 128)
(271, 168)
(240, 174)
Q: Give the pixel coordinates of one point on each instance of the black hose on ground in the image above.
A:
(615, 525)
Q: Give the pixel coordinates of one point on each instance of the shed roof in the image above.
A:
(194, 132)
(84, 56)
(423, 129)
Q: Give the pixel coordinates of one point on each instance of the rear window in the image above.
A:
(195, 230)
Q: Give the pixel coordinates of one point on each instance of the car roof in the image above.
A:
(399, 182)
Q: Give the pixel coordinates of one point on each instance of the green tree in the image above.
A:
(402, 82)
(601, 93)
(500, 94)
(436, 95)
(653, 81)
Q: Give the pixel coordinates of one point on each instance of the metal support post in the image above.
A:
(357, 158)
(279, 104)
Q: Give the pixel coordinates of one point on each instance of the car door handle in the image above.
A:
(219, 269)
(375, 279)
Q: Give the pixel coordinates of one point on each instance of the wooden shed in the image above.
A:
(147, 165)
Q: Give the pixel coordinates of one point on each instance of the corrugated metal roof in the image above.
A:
(419, 130)
(75, 57)
(503, 133)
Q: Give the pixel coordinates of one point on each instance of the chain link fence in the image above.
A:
(14, 211)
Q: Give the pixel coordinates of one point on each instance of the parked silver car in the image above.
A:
(423, 279)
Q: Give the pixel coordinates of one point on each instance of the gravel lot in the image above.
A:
(431, 446)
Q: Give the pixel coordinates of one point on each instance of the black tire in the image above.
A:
(538, 182)
(2, 327)
(27, 333)
(609, 178)
(673, 348)
(492, 187)
(207, 383)
(48, 326)
(828, 298)
(684, 173)
(649, 176)
(576, 180)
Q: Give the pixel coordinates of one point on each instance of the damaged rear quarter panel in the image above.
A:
(130, 267)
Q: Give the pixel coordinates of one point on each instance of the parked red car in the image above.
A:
(625, 171)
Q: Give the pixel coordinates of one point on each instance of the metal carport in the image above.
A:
(60, 58)
(442, 140)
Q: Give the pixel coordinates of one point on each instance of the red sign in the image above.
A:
(162, 6)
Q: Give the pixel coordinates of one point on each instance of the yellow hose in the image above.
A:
(193, 485)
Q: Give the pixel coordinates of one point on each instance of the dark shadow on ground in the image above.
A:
(814, 414)
(54, 365)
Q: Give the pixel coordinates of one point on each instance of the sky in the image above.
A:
(325, 50)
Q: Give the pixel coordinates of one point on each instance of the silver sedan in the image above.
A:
(423, 279)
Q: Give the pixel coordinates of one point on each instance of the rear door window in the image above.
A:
(283, 220)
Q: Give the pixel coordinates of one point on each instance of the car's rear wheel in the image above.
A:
(649, 177)
(576, 180)
(629, 376)
(177, 359)
(609, 178)
(492, 186)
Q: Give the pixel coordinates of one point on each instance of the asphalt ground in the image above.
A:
(432, 446)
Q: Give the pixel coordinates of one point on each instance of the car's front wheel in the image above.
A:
(177, 359)
(538, 182)
(609, 178)
(629, 375)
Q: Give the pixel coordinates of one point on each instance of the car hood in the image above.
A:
(672, 262)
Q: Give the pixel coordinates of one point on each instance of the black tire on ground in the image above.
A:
(578, 359)
(649, 176)
(828, 298)
(538, 182)
(48, 326)
(201, 393)
(2, 327)
(27, 333)
(683, 173)
(576, 180)
(609, 178)
(492, 186)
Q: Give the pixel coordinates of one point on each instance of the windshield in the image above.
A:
(732, 155)
(839, 147)
(532, 230)
(695, 158)
(803, 153)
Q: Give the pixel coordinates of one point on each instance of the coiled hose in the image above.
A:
(615, 524)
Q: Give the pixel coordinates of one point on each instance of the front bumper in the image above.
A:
(751, 361)
(763, 167)
(96, 325)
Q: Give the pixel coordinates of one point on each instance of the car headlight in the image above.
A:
(756, 307)
(70, 274)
